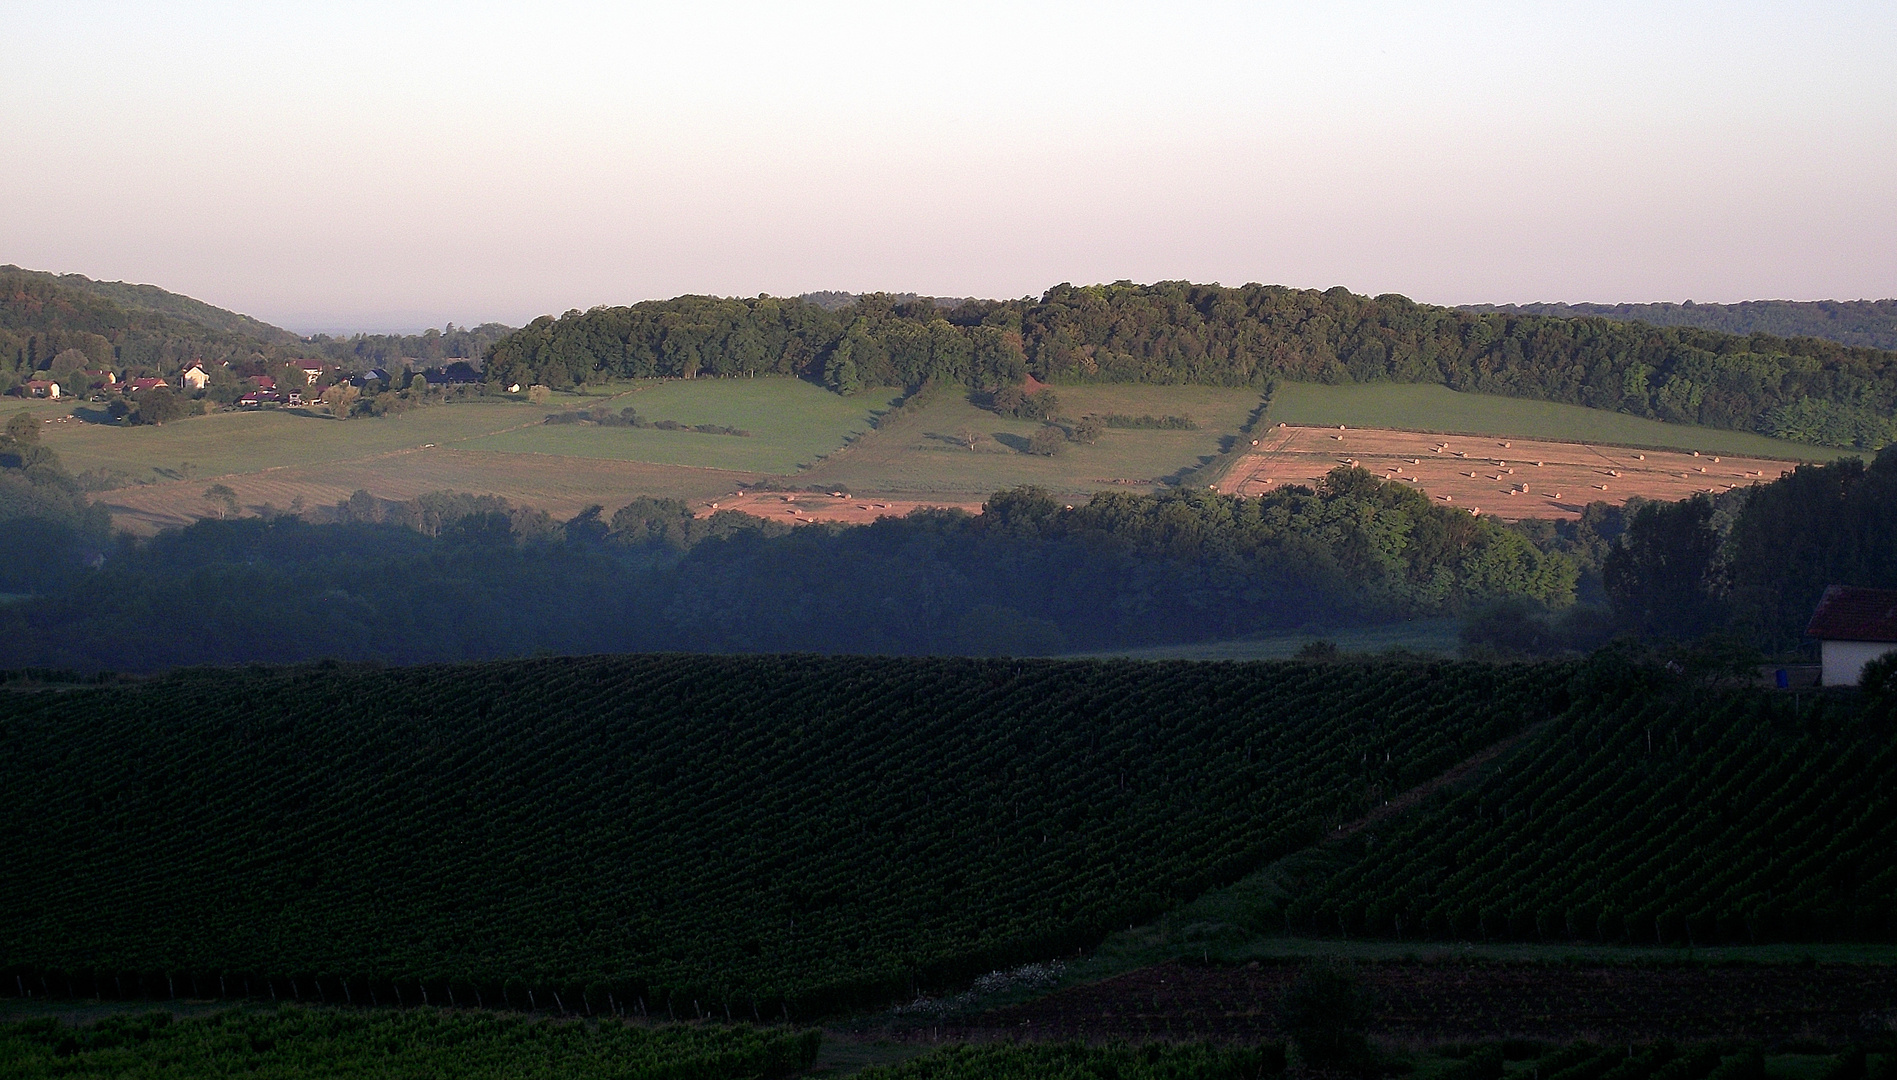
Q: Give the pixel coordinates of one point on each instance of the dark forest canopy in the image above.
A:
(462, 577)
(1868, 323)
(1176, 332)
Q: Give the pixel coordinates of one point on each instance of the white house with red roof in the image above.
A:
(1853, 626)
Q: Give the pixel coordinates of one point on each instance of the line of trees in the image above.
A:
(1176, 332)
(461, 577)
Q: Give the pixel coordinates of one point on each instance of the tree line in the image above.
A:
(1176, 332)
(451, 577)
(1746, 566)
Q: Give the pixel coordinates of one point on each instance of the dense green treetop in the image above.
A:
(1177, 332)
(1869, 323)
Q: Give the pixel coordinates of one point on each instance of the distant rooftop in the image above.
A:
(1847, 613)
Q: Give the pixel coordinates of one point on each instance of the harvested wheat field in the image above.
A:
(816, 506)
(1509, 478)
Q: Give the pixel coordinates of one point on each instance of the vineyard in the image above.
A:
(689, 837)
(1727, 818)
(1447, 999)
(295, 1042)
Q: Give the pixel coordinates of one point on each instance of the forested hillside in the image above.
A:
(1656, 818)
(457, 577)
(1870, 324)
(60, 325)
(1798, 388)
(767, 834)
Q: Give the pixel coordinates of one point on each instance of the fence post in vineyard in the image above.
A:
(561, 1005)
(348, 998)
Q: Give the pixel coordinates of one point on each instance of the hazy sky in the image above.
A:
(391, 164)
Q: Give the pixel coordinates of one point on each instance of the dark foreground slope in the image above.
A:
(764, 833)
(1736, 817)
(291, 1043)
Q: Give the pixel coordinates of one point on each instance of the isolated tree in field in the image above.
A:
(23, 429)
(1087, 429)
(967, 436)
(1048, 441)
(224, 497)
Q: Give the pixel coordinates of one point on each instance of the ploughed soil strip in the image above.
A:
(1426, 1002)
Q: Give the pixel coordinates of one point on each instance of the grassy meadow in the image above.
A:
(1438, 636)
(1432, 407)
(924, 452)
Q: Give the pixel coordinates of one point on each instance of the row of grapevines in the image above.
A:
(1733, 817)
(1075, 1061)
(758, 836)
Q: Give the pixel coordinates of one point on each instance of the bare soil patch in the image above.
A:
(813, 506)
(1508, 478)
(1420, 1003)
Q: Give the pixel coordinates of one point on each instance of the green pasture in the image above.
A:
(1438, 636)
(1433, 407)
(792, 423)
(242, 442)
(924, 452)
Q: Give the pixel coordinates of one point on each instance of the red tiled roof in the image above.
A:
(1848, 613)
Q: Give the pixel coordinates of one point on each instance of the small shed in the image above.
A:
(1854, 627)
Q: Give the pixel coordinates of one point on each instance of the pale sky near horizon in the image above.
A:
(395, 165)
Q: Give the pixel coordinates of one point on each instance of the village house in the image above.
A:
(45, 388)
(1854, 627)
(194, 377)
(312, 371)
(139, 386)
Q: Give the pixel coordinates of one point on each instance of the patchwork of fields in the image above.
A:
(943, 451)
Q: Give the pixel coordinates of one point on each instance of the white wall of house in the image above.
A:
(1844, 660)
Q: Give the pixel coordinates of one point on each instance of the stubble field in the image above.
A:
(1504, 477)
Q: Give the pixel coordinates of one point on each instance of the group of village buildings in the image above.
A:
(264, 390)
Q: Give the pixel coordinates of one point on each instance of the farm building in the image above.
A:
(39, 388)
(1854, 627)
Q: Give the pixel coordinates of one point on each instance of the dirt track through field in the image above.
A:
(1504, 477)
